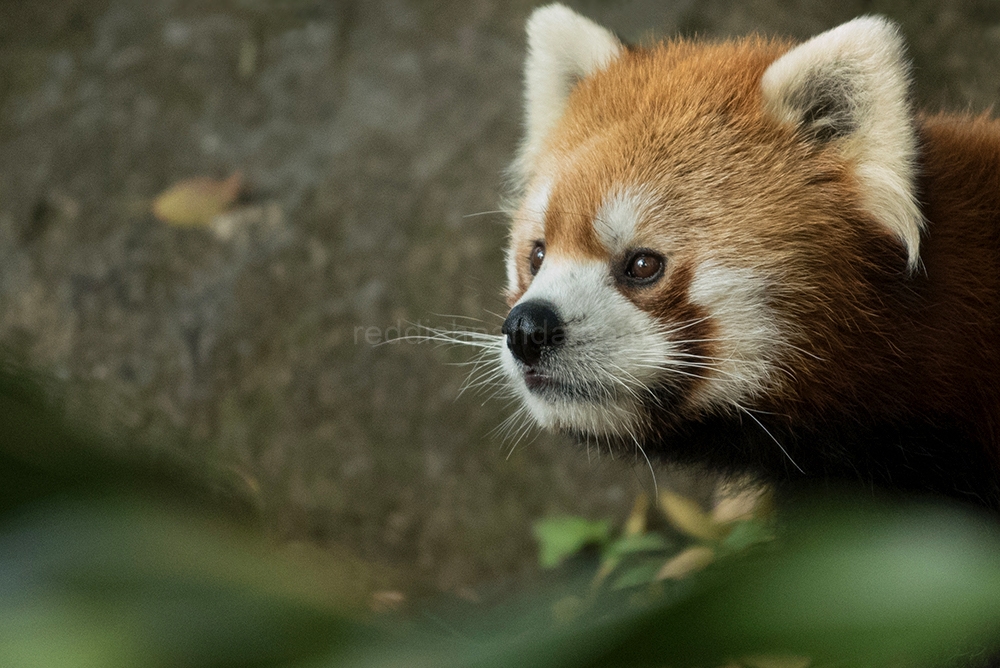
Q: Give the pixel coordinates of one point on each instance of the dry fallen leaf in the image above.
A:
(196, 201)
(688, 517)
(741, 501)
(687, 562)
(636, 523)
(387, 601)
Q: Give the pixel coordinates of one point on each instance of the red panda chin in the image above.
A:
(757, 258)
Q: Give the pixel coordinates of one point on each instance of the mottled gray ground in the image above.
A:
(367, 132)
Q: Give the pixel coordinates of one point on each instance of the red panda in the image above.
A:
(754, 256)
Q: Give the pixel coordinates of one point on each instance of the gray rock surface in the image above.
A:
(369, 134)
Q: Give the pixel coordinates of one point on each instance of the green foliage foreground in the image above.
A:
(107, 560)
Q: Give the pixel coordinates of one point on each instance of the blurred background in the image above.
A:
(369, 135)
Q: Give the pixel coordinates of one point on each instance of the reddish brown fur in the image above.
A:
(870, 339)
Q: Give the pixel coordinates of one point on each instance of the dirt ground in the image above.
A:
(369, 134)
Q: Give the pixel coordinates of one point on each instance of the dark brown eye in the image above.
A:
(644, 267)
(536, 256)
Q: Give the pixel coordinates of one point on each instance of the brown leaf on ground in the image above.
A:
(196, 201)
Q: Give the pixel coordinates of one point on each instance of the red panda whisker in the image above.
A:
(652, 472)
(528, 426)
(625, 385)
(495, 314)
(494, 380)
(487, 341)
(672, 368)
(634, 379)
(692, 360)
(457, 317)
(700, 357)
(505, 428)
(766, 431)
(505, 212)
(676, 327)
(681, 342)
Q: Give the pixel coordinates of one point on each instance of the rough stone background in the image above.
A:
(368, 132)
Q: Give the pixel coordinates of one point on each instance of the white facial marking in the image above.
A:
(531, 217)
(747, 331)
(611, 355)
(617, 219)
(537, 202)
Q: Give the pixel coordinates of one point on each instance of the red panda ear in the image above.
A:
(563, 47)
(850, 86)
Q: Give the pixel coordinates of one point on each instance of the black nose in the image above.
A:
(533, 329)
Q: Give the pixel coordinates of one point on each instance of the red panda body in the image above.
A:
(753, 256)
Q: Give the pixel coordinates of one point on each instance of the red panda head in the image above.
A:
(701, 223)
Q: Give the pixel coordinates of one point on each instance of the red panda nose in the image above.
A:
(533, 329)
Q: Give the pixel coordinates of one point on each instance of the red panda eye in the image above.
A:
(644, 267)
(535, 257)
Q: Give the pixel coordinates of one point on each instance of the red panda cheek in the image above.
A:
(669, 302)
(668, 299)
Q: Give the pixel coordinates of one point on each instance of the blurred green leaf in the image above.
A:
(637, 544)
(105, 562)
(561, 537)
(745, 534)
(112, 559)
(123, 583)
(868, 585)
(638, 574)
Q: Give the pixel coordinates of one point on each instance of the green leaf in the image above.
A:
(120, 582)
(854, 585)
(899, 586)
(637, 544)
(745, 534)
(637, 575)
(561, 537)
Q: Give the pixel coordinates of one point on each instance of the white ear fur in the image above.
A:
(563, 47)
(851, 85)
